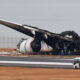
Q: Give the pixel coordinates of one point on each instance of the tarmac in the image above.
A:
(36, 62)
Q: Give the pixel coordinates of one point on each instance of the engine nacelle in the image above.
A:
(29, 46)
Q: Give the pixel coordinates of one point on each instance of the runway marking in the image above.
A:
(63, 59)
(36, 63)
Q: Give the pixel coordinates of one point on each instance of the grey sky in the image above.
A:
(53, 15)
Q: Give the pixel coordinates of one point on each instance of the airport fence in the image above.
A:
(9, 42)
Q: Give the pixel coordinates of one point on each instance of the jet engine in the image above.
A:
(29, 46)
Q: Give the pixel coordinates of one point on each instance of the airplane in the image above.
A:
(67, 40)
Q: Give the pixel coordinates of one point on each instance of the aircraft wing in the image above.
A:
(18, 27)
(26, 29)
(40, 34)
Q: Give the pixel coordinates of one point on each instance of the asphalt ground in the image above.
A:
(33, 62)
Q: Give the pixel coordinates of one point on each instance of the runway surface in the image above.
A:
(41, 62)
